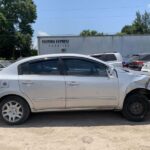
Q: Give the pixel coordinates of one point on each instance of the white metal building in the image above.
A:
(126, 45)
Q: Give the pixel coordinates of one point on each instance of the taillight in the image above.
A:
(139, 63)
(124, 64)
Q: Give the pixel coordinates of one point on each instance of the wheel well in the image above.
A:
(139, 91)
(2, 98)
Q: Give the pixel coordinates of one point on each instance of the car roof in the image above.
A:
(56, 55)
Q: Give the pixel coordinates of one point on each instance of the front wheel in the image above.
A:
(136, 107)
(14, 110)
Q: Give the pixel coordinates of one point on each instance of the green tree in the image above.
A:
(16, 17)
(34, 52)
(90, 33)
(127, 29)
(141, 25)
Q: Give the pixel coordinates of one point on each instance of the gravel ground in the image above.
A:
(104, 130)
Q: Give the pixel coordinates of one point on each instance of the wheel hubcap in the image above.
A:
(12, 111)
(136, 108)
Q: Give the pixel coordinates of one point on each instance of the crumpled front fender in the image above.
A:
(142, 82)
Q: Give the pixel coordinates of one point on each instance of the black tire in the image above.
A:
(135, 107)
(23, 106)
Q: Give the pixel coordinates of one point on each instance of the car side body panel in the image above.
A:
(89, 92)
(44, 91)
(11, 87)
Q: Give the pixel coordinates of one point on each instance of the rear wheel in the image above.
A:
(136, 107)
(14, 110)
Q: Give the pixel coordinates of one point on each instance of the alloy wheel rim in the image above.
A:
(136, 108)
(12, 111)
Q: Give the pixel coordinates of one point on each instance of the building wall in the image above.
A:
(126, 45)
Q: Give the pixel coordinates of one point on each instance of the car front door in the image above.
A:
(88, 84)
(42, 82)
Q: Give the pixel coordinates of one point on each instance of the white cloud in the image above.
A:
(148, 6)
(41, 33)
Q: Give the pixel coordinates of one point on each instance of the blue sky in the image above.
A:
(63, 17)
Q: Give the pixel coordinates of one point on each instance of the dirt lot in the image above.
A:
(76, 131)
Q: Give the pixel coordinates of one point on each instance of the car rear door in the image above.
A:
(88, 85)
(42, 82)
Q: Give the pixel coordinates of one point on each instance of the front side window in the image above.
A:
(40, 67)
(81, 67)
(101, 57)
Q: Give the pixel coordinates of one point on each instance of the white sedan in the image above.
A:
(63, 82)
(146, 67)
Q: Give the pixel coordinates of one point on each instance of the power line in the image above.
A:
(117, 16)
(92, 9)
(95, 9)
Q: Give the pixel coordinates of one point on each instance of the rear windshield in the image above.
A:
(106, 57)
(145, 57)
(134, 58)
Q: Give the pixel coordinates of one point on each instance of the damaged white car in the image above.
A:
(64, 82)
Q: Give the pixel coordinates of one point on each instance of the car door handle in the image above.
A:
(27, 82)
(73, 83)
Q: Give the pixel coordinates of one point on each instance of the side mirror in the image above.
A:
(111, 72)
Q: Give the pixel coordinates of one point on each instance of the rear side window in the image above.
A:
(40, 67)
(81, 67)
(23, 69)
(110, 57)
(101, 57)
(106, 57)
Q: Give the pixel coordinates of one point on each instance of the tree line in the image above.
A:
(140, 25)
(16, 18)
